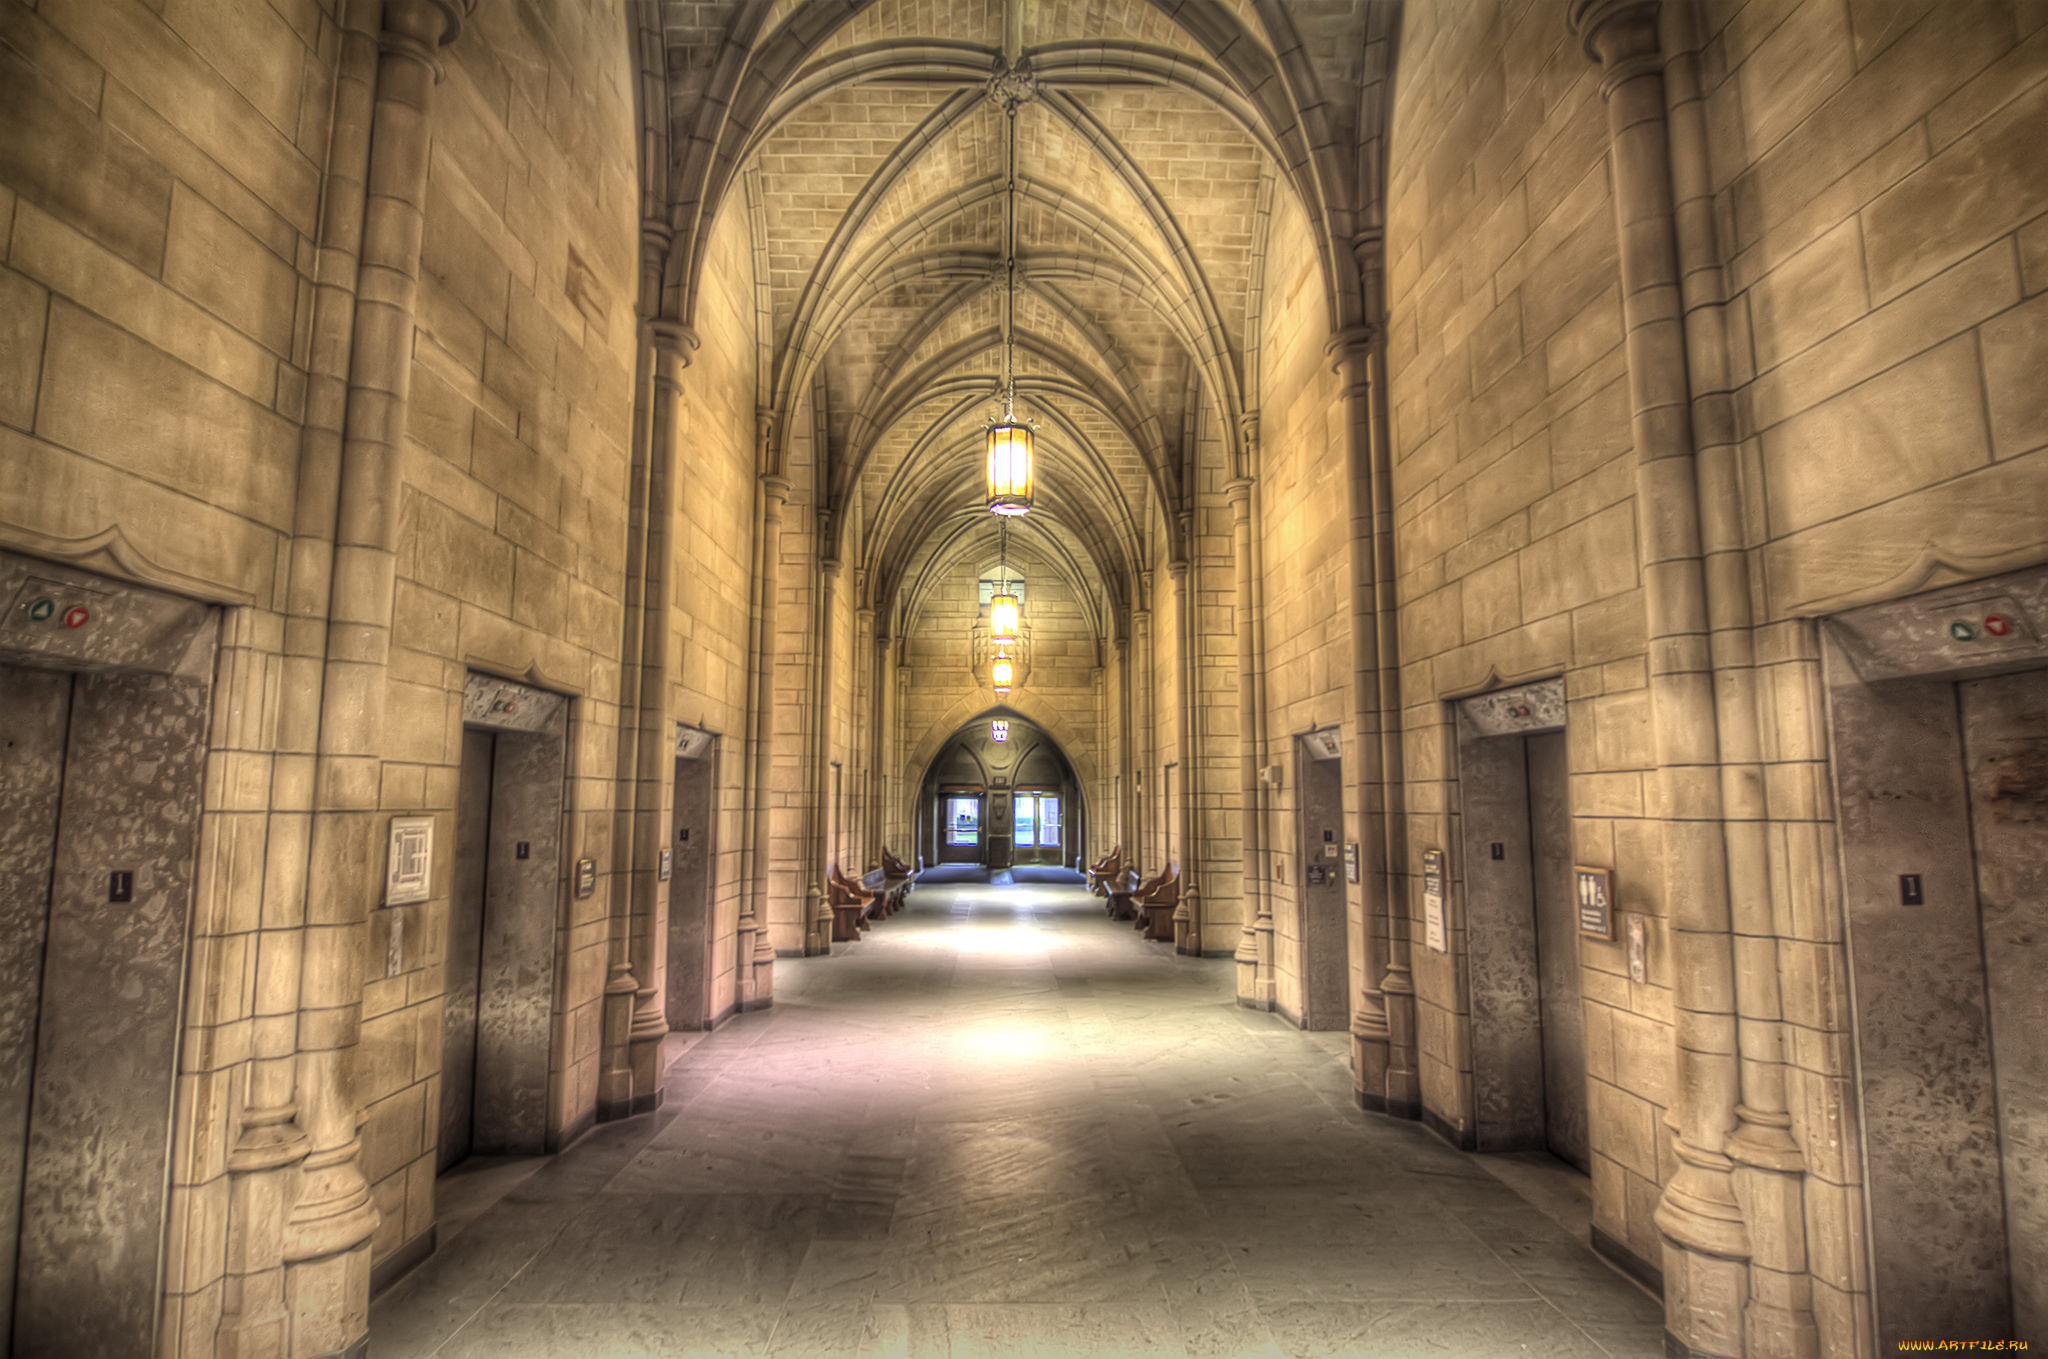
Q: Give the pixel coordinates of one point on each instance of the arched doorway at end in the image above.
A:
(1000, 792)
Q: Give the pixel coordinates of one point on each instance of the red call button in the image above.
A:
(75, 616)
(1998, 625)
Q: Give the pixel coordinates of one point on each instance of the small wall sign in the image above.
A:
(410, 869)
(667, 865)
(1351, 861)
(1317, 875)
(1596, 902)
(1638, 949)
(586, 877)
(1436, 933)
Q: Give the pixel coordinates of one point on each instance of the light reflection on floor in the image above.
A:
(1004, 1125)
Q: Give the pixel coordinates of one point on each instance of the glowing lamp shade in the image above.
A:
(1009, 469)
(1001, 673)
(1002, 619)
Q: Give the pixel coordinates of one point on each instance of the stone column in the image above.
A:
(1373, 1057)
(817, 795)
(756, 957)
(265, 1157)
(1143, 731)
(1770, 1175)
(327, 1230)
(1255, 936)
(653, 794)
(886, 811)
(867, 668)
(1707, 1244)
(1187, 916)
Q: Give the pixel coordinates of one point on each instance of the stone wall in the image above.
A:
(1515, 519)
(714, 561)
(513, 539)
(1304, 528)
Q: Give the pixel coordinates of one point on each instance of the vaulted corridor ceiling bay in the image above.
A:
(883, 677)
(891, 178)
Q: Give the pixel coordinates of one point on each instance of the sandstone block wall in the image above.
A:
(1515, 519)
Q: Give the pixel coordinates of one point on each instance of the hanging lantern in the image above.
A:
(1003, 615)
(1009, 467)
(1001, 672)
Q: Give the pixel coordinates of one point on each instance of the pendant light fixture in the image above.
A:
(1004, 611)
(1001, 672)
(1009, 439)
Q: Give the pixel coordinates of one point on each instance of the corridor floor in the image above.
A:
(1004, 1126)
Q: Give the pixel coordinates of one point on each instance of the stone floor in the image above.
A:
(1003, 1126)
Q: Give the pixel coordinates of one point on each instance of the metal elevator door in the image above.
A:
(1557, 951)
(465, 947)
(33, 721)
(2005, 762)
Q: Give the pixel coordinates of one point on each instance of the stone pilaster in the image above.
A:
(1254, 954)
(653, 789)
(263, 1163)
(326, 1237)
(756, 952)
(1187, 916)
(1707, 1244)
(1382, 1067)
(817, 797)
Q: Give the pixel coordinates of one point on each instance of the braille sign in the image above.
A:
(1596, 903)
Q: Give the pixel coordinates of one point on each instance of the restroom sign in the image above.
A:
(1596, 903)
(410, 871)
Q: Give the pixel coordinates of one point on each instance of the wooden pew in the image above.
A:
(1120, 896)
(1155, 901)
(1101, 874)
(851, 904)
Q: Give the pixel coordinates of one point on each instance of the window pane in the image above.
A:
(963, 821)
(1049, 821)
(1027, 820)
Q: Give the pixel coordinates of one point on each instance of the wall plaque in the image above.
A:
(1435, 932)
(409, 872)
(1351, 861)
(586, 877)
(668, 864)
(1596, 902)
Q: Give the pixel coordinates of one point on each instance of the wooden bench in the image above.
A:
(1155, 901)
(1120, 894)
(851, 902)
(1110, 868)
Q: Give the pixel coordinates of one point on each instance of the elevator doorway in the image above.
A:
(504, 912)
(101, 770)
(1521, 927)
(692, 927)
(1322, 960)
(1942, 787)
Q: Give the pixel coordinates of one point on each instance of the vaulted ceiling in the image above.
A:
(885, 151)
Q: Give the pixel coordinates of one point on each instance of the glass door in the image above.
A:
(960, 828)
(1038, 826)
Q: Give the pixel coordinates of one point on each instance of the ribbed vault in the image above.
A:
(875, 140)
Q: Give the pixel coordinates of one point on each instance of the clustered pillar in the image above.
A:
(1734, 1257)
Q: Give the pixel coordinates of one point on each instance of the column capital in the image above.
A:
(1177, 570)
(776, 485)
(829, 567)
(418, 28)
(1237, 492)
(1621, 35)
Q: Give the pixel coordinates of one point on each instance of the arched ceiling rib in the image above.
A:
(1148, 134)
